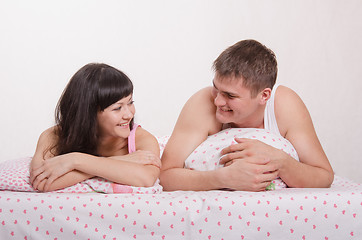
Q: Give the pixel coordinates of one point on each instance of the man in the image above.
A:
(244, 96)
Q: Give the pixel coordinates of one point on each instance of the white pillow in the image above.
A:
(207, 155)
(14, 176)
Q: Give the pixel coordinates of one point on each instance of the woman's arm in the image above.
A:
(145, 141)
(44, 152)
(140, 168)
(66, 170)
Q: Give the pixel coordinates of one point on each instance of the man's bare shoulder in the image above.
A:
(286, 100)
(195, 123)
(289, 108)
(285, 92)
(202, 98)
(200, 111)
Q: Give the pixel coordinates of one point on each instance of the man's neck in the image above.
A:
(254, 121)
(247, 125)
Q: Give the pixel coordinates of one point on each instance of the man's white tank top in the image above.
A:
(270, 121)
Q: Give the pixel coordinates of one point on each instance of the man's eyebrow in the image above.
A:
(230, 94)
(226, 93)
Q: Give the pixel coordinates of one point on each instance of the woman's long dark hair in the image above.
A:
(93, 88)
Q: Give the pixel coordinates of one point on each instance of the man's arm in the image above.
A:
(295, 123)
(196, 121)
(193, 126)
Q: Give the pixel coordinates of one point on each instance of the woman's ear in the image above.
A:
(265, 95)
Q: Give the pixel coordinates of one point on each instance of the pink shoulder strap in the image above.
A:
(132, 139)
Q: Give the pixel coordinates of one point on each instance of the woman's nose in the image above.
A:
(127, 114)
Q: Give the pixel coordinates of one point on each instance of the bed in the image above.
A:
(286, 213)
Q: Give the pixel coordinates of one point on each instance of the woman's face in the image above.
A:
(114, 120)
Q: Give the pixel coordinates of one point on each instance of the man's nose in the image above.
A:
(219, 100)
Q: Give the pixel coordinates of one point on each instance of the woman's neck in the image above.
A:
(111, 146)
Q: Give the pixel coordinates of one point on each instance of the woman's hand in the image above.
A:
(141, 157)
(42, 176)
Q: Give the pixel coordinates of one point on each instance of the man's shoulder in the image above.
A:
(283, 90)
(288, 107)
(285, 96)
(204, 94)
(201, 101)
(198, 113)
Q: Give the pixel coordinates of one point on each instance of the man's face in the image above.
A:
(234, 102)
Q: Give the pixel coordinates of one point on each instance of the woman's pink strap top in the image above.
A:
(132, 139)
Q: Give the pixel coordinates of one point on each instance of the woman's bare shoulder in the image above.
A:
(49, 135)
(141, 132)
(145, 140)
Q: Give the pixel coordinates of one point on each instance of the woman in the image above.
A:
(95, 135)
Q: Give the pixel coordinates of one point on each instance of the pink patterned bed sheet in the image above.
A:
(333, 213)
(14, 176)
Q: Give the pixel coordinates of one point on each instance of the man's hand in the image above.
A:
(250, 164)
(248, 174)
(249, 148)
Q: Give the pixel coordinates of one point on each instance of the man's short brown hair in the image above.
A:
(252, 61)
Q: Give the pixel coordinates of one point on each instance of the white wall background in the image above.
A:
(167, 49)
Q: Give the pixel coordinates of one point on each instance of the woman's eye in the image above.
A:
(117, 109)
(131, 103)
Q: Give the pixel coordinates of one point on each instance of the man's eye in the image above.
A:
(231, 96)
(214, 92)
(228, 96)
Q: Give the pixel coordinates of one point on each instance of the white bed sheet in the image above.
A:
(333, 213)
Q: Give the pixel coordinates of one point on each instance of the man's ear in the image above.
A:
(265, 95)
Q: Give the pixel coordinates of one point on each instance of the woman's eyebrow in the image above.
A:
(125, 100)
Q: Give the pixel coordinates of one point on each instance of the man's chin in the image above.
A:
(221, 118)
